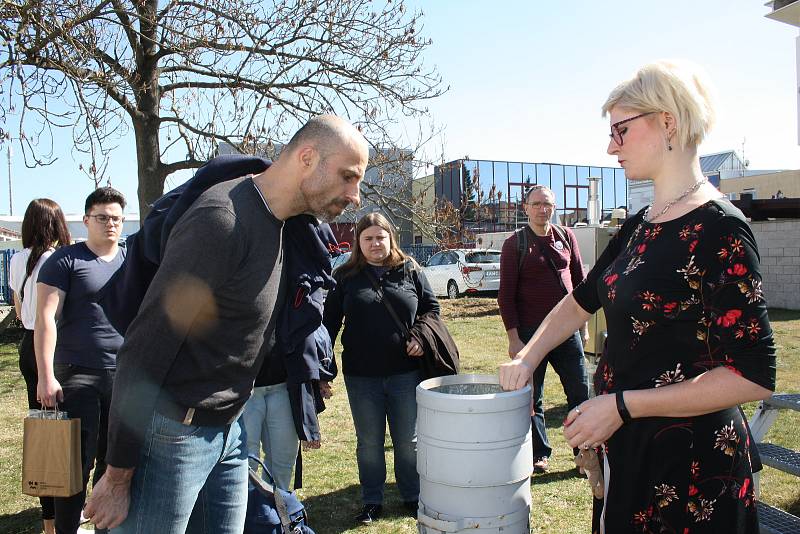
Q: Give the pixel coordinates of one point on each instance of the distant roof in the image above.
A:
(8, 231)
(712, 162)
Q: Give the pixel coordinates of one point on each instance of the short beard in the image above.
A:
(330, 211)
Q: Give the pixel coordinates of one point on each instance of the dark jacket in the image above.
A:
(372, 342)
(302, 341)
(440, 356)
(307, 265)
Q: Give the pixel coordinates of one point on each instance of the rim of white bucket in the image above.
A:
(450, 380)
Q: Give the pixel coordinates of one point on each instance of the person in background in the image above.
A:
(76, 346)
(43, 231)
(381, 368)
(688, 334)
(530, 286)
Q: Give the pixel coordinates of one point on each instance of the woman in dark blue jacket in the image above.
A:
(380, 366)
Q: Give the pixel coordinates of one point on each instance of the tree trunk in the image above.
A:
(150, 169)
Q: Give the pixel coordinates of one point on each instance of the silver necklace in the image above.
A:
(674, 201)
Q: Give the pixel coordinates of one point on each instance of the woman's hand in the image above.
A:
(413, 349)
(515, 374)
(593, 422)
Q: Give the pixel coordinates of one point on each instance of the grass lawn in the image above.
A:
(560, 500)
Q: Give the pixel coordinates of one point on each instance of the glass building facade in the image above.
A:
(490, 194)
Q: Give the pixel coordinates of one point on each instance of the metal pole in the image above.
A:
(10, 198)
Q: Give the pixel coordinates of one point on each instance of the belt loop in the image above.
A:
(189, 416)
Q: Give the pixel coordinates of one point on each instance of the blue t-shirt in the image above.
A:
(85, 337)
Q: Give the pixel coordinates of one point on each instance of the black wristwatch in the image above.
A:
(622, 409)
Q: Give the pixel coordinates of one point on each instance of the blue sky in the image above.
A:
(528, 78)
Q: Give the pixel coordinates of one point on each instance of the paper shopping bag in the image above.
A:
(51, 457)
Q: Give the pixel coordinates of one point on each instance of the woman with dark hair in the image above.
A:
(380, 367)
(43, 230)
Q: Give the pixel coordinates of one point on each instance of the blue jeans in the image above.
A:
(373, 401)
(568, 361)
(268, 421)
(87, 396)
(189, 479)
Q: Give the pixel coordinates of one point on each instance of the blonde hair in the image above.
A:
(678, 87)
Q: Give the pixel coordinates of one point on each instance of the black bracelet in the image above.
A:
(622, 409)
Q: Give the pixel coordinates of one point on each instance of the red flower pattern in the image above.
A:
(726, 320)
(730, 318)
(737, 270)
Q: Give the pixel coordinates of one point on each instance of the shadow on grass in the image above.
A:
(554, 417)
(24, 522)
(12, 334)
(555, 476)
(334, 512)
(777, 315)
(794, 508)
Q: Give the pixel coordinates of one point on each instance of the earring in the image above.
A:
(669, 145)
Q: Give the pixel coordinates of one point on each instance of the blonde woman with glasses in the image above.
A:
(688, 334)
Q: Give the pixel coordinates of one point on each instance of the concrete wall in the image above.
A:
(779, 245)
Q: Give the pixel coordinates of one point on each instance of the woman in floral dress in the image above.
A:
(688, 334)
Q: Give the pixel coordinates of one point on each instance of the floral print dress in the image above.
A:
(680, 297)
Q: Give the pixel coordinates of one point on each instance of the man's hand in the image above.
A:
(325, 389)
(107, 506)
(49, 392)
(585, 336)
(515, 344)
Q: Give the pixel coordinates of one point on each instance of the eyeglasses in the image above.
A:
(104, 219)
(616, 134)
(541, 205)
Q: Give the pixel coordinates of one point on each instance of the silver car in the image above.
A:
(454, 272)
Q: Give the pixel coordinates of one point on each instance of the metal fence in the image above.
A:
(421, 253)
(5, 264)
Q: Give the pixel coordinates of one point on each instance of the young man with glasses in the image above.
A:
(76, 346)
(530, 287)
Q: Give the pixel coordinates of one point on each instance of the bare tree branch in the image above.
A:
(193, 74)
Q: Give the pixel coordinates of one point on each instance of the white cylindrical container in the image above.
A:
(474, 456)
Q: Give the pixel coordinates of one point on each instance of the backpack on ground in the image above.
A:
(271, 510)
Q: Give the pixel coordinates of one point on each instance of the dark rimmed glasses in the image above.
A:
(116, 220)
(616, 134)
(541, 205)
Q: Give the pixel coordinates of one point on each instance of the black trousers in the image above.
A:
(27, 366)
(87, 396)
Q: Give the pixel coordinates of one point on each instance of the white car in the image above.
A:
(339, 260)
(454, 272)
